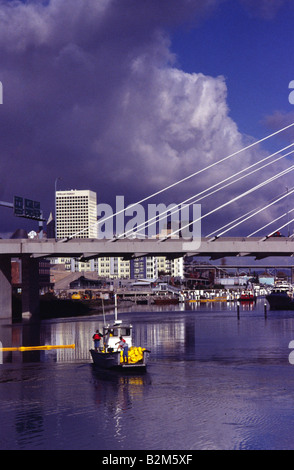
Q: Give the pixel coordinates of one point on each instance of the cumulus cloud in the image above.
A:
(92, 94)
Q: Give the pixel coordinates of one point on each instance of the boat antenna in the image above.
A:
(115, 308)
(103, 311)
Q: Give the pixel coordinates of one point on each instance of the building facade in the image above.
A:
(76, 214)
(151, 267)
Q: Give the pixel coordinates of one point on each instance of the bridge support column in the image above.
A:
(5, 287)
(30, 286)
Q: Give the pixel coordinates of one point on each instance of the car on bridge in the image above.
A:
(276, 234)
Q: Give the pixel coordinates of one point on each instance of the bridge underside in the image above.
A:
(30, 286)
(94, 248)
(30, 251)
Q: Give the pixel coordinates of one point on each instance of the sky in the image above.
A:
(125, 97)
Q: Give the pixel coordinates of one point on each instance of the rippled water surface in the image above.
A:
(214, 382)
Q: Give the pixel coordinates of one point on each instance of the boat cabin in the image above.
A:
(112, 333)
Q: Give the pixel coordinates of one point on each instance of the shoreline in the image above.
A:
(63, 308)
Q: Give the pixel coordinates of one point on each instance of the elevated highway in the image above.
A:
(130, 248)
(257, 247)
(30, 251)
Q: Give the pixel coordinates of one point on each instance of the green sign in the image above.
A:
(27, 208)
(18, 206)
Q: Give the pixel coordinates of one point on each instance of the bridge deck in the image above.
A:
(30, 250)
(93, 248)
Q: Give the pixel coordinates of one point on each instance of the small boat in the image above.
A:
(247, 296)
(109, 357)
(281, 297)
(165, 300)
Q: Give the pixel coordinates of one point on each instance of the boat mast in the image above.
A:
(115, 308)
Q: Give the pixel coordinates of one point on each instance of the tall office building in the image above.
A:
(76, 214)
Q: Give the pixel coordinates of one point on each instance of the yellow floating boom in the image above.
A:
(39, 348)
(215, 299)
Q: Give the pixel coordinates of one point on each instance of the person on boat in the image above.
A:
(122, 344)
(96, 338)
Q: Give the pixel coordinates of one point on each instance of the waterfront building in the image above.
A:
(113, 268)
(151, 267)
(143, 268)
(171, 267)
(44, 281)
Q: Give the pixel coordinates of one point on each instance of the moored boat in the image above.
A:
(165, 300)
(109, 357)
(281, 297)
(247, 296)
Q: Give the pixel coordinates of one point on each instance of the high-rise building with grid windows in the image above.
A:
(76, 214)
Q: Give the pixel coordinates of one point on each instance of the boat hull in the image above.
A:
(166, 301)
(111, 361)
(280, 302)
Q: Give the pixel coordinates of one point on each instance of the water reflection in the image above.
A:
(215, 381)
(160, 331)
(118, 392)
(209, 331)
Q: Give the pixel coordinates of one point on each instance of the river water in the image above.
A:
(215, 380)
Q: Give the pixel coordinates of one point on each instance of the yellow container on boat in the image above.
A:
(135, 355)
(76, 296)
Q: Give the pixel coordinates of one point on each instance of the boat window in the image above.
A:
(110, 331)
(125, 331)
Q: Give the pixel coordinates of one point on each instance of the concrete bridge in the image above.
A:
(31, 251)
(130, 248)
